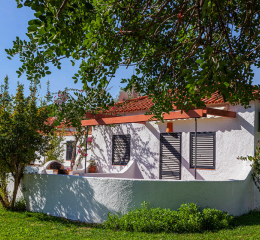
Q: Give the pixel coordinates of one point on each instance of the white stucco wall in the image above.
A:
(65, 162)
(234, 138)
(89, 199)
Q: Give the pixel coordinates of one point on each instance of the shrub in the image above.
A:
(20, 205)
(188, 218)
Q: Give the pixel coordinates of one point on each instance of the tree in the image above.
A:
(183, 50)
(22, 127)
(55, 148)
(255, 164)
(71, 109)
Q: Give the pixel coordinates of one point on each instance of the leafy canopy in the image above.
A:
(182, 50)
(70, 109)
(22, 127)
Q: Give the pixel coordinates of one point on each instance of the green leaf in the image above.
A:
(40, 40)
(38, 14)
(73, 63)
(32, 28)
(98, 21)
(226, 84)
(199, 61)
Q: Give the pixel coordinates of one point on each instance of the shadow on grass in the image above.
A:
(60, 220)
(45, 218)
(250, 219)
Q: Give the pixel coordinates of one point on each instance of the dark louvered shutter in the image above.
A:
(69, 150)
(120, 149)
(170, 159)
(205, 150)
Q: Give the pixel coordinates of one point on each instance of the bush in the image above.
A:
(20, 205)
(188, 218)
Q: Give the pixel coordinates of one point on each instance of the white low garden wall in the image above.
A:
(90, 199)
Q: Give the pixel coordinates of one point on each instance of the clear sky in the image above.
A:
(14, 22)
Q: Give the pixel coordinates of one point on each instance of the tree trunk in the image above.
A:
(17, 180)
(4, 196)
(2, 202)
(86, 149)
(16, 185)
(73, 158)
(6, 200)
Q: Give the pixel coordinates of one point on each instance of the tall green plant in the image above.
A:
(22, 127)
(56, 149)
(255, 164)
(72, 108)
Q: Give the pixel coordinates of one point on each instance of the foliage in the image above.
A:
(20, 205)
(29, 225)
(82, 151)
(182, 50)
(55, 150)
(22, 127)
(255, 165)
(92, 162)
(188, 218)
(71, 109)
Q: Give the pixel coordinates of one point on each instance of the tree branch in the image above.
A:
(63, 5)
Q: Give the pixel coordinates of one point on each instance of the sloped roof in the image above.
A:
(144, 103)
(51, 120)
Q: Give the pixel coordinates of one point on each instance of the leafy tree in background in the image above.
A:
(55, 148)
(71, 109)
(22, 127)
(183, 50)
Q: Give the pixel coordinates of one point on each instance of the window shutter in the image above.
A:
(170, 159)
(205, 150)
(120, 149)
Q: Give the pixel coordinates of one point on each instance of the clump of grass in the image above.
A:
(20, 205)
(188, 218)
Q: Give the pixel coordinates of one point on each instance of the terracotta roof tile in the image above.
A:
(144, 103)
(51, 120)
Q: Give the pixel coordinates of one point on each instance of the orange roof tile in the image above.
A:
(51, 120)
(144, 103)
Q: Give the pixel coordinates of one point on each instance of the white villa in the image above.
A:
(163, 163)
(167, 150)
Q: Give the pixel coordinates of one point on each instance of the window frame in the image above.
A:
(122, 163)
(71, 141)
(214, 150)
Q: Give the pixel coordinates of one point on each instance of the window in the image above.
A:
(206, 142)
(120, 149)
(70, 145)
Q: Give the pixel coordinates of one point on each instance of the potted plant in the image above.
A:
(92, 166)
(69, 171)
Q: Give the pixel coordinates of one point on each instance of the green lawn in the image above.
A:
(27, 225)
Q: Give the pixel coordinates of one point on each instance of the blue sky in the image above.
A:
(13, 22)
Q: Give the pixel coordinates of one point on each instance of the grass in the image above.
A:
(27, 225)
